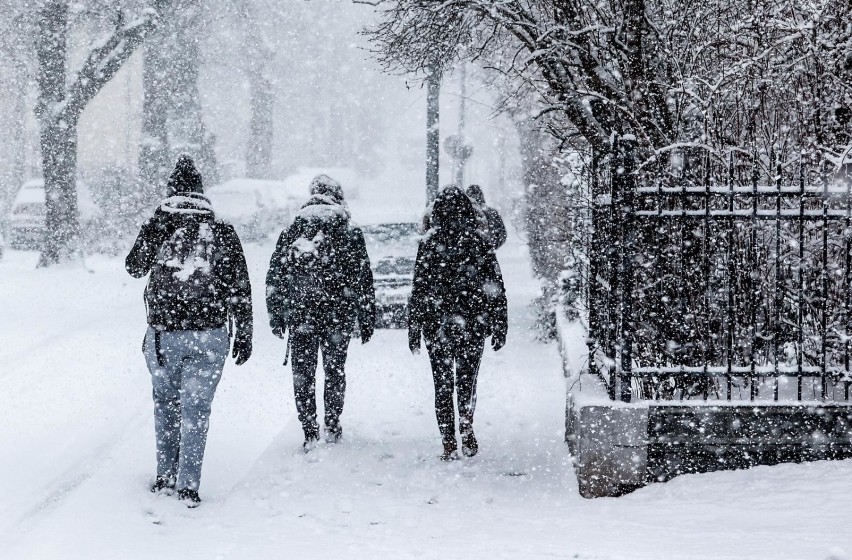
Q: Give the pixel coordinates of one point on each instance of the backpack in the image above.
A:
(183, 276)
(317, 265)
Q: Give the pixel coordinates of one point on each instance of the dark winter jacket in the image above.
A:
(457, 280)
(228, 294)
(347, 281)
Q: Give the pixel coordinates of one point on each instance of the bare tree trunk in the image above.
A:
(261, 127)
(58, 137)
(154, 149)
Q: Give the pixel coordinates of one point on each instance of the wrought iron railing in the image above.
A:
(727, 283)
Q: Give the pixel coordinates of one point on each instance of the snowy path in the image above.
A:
(76, 453)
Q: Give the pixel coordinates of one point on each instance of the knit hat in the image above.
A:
(185, 178)
(326, 186)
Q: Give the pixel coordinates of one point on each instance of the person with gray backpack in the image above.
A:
(198, 294)
(319, 287)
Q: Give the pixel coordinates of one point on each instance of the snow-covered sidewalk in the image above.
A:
(76, 453)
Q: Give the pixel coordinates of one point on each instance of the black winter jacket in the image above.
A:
(351, 284)
(230, 292)
(457, 280)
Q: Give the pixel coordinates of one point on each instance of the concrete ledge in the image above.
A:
(618, 448)
(610, 449)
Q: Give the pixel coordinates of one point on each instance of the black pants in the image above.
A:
(455, 360)
(305, 347)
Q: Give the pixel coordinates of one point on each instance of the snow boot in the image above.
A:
(164, 485)
(450, 451)
(189, 498)
(310, 443)
(469, 445)
(333, 434)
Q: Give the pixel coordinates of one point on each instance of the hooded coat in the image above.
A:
(348, 279)
(189, 214)
(457, 280)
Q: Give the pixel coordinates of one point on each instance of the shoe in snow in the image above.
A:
(333, 435)
(469, 445)
(450, 451)
(189, 498)
(310, 443)
(163, 485)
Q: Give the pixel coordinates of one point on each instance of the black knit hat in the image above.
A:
(185, 178)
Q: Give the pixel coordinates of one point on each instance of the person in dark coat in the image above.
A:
(457, 301)
(495, 225)
(198, 285)
(320, 288)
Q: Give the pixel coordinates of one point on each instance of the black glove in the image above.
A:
(366, 332)
(498, 339)
(279, 330)
(414, 339)
(242, 348)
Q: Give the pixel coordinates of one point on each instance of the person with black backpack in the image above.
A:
(457, 301)
(319, 286)
(198, 291)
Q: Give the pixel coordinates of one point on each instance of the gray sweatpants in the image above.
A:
(184, 379)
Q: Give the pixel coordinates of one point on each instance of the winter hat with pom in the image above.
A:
(326, 186)
(185, 178)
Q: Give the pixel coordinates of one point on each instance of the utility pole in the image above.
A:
(433, 141)
(460, 162)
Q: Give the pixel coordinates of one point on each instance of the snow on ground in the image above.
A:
(77, 452)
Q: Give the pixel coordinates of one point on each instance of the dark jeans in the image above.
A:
(305, 346)
(455, 360)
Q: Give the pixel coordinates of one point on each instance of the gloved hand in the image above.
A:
(279, 330)
(498, 338)
(414, 339)
(366, 332)
(242, 348)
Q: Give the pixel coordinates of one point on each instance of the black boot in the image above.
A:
(311, 440)
(333, 433)
(189, 498)
(450, 450)
(163, 484)
(469, 445)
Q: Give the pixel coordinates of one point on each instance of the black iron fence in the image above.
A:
(725, 281)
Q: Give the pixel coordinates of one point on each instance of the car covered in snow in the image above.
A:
(256, 208)
(27, 223)
(393, 249)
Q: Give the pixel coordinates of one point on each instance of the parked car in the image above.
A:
(27, 223)
(256, 208)
(393, 249)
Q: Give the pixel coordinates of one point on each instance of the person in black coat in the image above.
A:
(198, 287)
(496, 227)
(457, 301)
(320, 287)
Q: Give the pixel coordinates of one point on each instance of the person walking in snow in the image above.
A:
(494, 223)
(319, 285)
(457, 301)
(198, 286)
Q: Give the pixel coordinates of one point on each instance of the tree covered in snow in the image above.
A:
(64, 95)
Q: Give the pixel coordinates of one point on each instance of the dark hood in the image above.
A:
(453, 211)
(476, 195)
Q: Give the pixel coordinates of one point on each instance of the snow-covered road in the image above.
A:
(76, 453)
